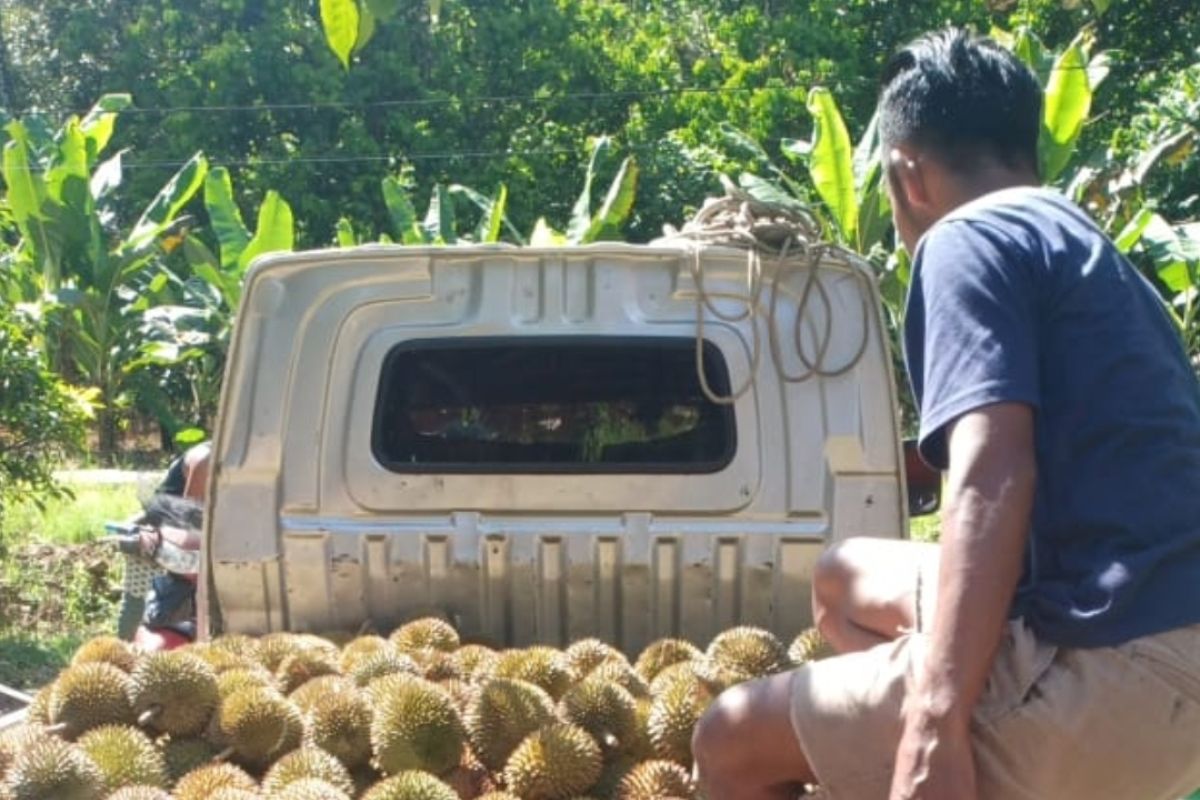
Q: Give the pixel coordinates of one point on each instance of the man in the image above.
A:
(1049, 648)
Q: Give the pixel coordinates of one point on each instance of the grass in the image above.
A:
(58, 585)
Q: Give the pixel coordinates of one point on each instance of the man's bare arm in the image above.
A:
(985, 524)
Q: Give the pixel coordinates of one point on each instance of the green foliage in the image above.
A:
(41, 419)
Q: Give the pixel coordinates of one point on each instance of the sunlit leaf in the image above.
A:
(831, 165)
(1131, 234)
(366, 28)
(25, 187)
(1067, 103)
(225, 217)
(618, 204)
(545, 236)
(170, 199)
(107, 176)
(340, 20)
(344, 231)
(401, 211)
(581, 212)
(439, 221)
(275, 230)
(190, 436)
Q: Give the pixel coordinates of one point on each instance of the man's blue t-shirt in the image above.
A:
(1019, 297)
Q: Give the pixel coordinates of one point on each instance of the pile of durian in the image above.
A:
(416, 716)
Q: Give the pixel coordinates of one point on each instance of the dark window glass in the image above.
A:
(535, 404)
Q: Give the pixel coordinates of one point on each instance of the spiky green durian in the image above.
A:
(339, 722)
(219, 659)
(310, 789)
(673, 716)
(51, 769)
(234, 793)
(38, 710)
(502, 714)
(357, 649)
(317, 688)
(623, 675)
(182, 755)
(747, 653)
(275, 647)
(436, 665)
(587, 654)
(426, 633)
(139, 793)
(686, 670)
(460, 692)
(298, 668)
(125, 756)
(234, 680)
(556, 762)
(662, 654)
(415, 726)
(809, 645)
(202, 783)
(14, 741)
(652, 780)
(411, 785)
(605, 710)
(543, 666)
(254, 724)
(106, 649)
(239, 644)
(90, 695)
(174, 693)
(475, 661)
(384, 662)
(307, 762)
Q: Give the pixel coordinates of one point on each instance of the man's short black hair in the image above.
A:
(961, 97)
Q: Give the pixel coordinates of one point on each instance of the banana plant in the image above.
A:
(586, 226)
(72, 259)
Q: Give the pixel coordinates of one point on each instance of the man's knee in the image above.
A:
(716, 740)
(833, 576)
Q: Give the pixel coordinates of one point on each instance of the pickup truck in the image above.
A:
(546, 444)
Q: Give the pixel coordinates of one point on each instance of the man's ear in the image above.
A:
(909, 177)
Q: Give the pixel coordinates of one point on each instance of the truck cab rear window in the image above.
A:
(590, 405)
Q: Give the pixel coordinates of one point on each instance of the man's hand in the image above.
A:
(934, 762)
(985, 524)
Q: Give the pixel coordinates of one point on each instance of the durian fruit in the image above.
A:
(411, 785)
(234, 793)
(339, 722)
(662, 654)
(415, 726)
(310, 789)
(106, 649)
(384, 662)
(182, 755)
(586, 654)
(253, 723)
(252, 677)
(623, 675)
(90, 695)
(307, 762)
(51, 769)
(810, 645)
(125, 757)
(652, 780)
(275, 647)
(240, 645)
(539, 665)
(673, 716)
(14, 741)
(639, 744)
(174, 693)
(38, 710)
(221, 660)
(475, 661)
(436, 665)
(556, 762)
(498, 796)
(605, 710)
(684, 670)
(300, 667)
(427, 633)
(317, 688)
(460, 692)
(139, 793)
(502, 714)
(202, 783)
(358, 649)
(747, 653)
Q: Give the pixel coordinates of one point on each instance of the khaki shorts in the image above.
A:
(1054, 723)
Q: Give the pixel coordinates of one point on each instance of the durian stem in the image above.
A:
(148, 716)
(224, 754)
(55, 730)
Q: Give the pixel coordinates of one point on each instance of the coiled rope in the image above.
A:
(791, 235)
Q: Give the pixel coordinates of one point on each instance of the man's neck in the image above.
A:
(985, 181)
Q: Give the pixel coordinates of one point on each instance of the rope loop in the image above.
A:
(790, 234)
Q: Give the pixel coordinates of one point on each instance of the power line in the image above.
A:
(408, 102)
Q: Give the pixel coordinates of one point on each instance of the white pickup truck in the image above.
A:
(520, 439)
